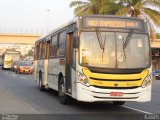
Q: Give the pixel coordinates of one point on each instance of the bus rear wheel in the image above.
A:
(118, 103)
(41, 86)
(63, 98)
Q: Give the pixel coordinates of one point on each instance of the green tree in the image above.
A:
(94, 7)
(158, 35)
(145, 9)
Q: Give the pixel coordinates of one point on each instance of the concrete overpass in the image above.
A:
(31, 38)
(18, 38)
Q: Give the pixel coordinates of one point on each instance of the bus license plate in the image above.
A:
(116, 94)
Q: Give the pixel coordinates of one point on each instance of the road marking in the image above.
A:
(24, 78)
(137, 110)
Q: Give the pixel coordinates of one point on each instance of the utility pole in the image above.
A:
(48, 17)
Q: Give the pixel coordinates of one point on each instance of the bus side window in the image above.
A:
(74, 46)
(43, 50)
(47, 52)
(62, 44)
(40, 51)
(36, 51)
(54, 46)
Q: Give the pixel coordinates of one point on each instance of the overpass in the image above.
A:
(18, 38)
(155, 43)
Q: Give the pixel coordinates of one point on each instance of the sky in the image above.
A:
(33, 14)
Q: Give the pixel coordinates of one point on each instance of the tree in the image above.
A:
(94, 7)
(158, 35)
(145, 9)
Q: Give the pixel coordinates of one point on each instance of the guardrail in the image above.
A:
(21, 31)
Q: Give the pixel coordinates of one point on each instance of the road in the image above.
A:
(19, 94)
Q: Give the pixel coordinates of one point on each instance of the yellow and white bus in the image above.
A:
(9, 57)
(96, 58)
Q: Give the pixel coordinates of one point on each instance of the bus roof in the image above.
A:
(65, 25)
(118, 21)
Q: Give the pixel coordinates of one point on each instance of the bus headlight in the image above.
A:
(147, 81)
(83, 80)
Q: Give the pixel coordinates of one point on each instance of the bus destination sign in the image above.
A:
(112, 23)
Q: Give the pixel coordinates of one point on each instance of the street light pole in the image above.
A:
(48, 13)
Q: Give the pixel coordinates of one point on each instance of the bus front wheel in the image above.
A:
(63, 98)
(118, 103)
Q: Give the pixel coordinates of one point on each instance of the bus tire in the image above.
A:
(63, 98)
(41, 86)
(3, 67)
(118, 103)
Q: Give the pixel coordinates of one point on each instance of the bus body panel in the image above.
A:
(45, 81)
(40, 68)
(93, 94)
(121, 80)
(54, 69)
(35, 72)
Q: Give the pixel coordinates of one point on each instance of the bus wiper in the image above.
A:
(103, 47)
(99, 37)
(101, 41)
(127, 39)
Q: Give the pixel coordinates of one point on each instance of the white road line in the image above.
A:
(24, 78)
(137, 110)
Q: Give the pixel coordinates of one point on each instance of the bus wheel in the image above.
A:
(118, 102)
(41, 86)
(3, 67)
(63, 98)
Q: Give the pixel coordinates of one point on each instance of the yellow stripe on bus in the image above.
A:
(121, 80)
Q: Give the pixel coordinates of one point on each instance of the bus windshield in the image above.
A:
(135, 54)
(12, 56)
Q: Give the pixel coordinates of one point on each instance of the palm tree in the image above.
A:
(94, 7)
(145, 9)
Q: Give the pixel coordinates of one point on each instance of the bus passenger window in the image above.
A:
(62, 44)
(54, 46)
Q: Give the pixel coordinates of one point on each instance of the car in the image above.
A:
(14, 66)
(156, 74)
(24, 67)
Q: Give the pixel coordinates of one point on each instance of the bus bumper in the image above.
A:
(94, 94)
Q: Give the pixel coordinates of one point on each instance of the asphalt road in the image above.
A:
(19, 94)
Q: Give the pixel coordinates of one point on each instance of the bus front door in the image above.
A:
(70, 71)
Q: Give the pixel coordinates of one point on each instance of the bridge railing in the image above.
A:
(21, 31)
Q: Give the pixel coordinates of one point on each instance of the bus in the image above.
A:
(96, 58)
(9, 57)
